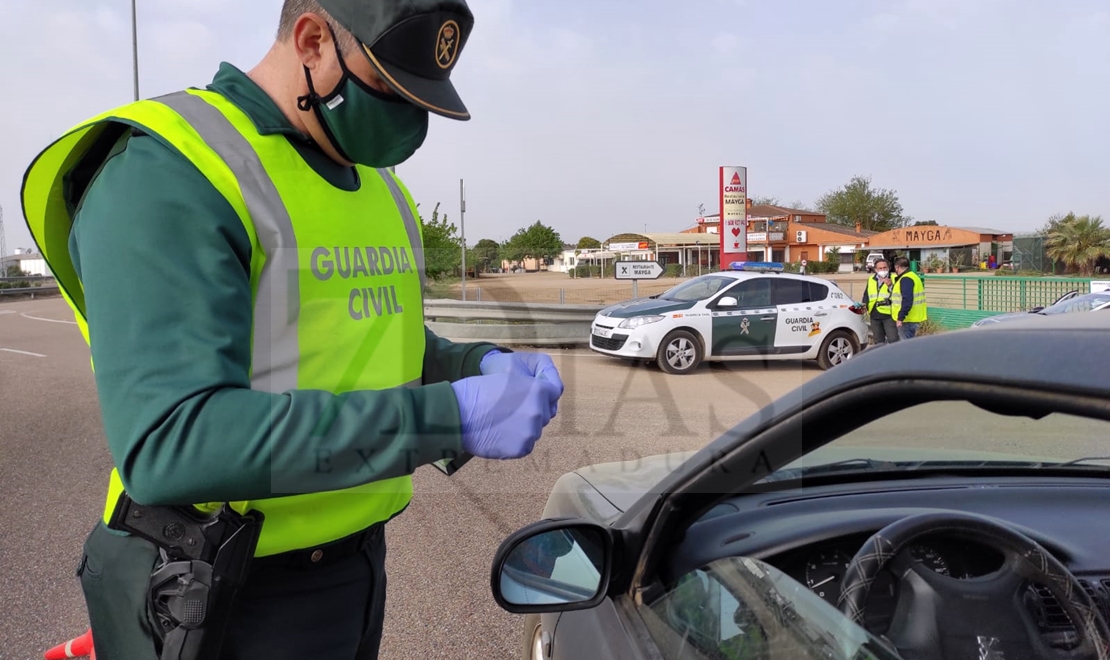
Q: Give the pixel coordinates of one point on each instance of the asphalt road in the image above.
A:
(54, 466)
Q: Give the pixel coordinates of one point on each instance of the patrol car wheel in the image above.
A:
(679, 353)
(838, 348)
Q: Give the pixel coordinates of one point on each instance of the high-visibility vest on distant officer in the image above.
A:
(877, 296)
(918, 312)
(295, 267)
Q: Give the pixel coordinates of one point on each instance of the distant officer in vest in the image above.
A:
(249, 276)
(907, 299)
(876, 298)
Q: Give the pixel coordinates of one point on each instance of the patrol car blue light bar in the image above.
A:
(757, 266)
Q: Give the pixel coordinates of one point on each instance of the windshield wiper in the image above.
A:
(847, 465)
(851, 465)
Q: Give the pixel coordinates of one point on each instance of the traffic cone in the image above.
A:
(78, 647)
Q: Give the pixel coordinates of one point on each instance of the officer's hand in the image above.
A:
(533, 365)
(503, 414)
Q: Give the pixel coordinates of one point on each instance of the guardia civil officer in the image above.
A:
(908, 305)
(249, 277)
(876, 298)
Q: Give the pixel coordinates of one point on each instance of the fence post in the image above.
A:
(478, 293)
(562, 296)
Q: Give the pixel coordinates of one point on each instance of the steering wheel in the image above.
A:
(948, 618)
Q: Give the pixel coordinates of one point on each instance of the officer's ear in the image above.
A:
(312, 41)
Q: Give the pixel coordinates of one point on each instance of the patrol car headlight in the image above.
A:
(637, 321)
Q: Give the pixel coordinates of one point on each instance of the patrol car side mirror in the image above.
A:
(728, 301)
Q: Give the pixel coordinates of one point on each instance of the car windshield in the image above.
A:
(958, 434)
(697, 289)
(1083, 303)
(740, 607)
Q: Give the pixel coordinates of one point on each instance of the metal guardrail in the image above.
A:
(34, 280)
(521, 324)
(29, 290)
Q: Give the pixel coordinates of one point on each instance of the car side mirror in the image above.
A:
(728, 301)
(553, 566)
(1036, 309)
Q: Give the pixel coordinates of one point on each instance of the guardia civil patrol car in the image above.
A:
(752, 311)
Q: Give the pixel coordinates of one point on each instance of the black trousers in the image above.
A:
(290, 608)
(883, 327)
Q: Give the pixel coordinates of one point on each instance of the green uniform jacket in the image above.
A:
(164, 261)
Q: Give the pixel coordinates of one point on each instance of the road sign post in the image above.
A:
(636, 271)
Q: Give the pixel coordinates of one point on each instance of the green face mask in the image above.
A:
(364, 125)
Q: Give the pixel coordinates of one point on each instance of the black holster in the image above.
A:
(203, 565)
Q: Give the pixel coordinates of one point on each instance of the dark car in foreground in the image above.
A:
(1069, 303)
(944, 498)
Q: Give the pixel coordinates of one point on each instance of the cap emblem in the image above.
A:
(447, 44)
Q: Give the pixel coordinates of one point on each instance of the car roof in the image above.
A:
(748, 274)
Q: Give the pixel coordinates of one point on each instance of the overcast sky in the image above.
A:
(603, 116)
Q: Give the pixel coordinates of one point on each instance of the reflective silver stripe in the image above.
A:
(275, 352)
(411, 226)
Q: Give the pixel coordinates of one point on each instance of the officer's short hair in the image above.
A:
(881, 261)
(901, 262)
(294, 9)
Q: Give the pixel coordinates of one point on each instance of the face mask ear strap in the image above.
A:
(310, 100)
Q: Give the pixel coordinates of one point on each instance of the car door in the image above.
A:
(803, 314)
(748, 327)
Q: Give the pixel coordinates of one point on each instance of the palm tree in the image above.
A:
(1078, 241)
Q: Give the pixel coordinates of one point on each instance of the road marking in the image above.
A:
(12, 350)
(39, 318)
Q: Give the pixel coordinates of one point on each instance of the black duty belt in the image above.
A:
(322, 555)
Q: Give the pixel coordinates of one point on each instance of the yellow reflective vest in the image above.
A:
(919, 312)
(877, 294)
(304, 301)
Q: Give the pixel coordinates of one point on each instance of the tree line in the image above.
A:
(443, 247)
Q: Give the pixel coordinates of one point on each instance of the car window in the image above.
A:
(942, 434)
(752, 293)
(794, 292)
(697, 289)
(1078, 304)
(739, 607)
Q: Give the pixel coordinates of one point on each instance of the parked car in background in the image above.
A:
(754, 311)
(1069, 303)
(871, 259)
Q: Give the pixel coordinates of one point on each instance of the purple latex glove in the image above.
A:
(503, 414)
(533, 365)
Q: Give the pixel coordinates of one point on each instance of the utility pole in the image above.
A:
(135, 47)
(3, 244)
(462, 230)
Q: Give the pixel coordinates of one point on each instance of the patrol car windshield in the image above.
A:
(1078, 304)
(698, 288)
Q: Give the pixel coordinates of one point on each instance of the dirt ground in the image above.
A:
(552, 287)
